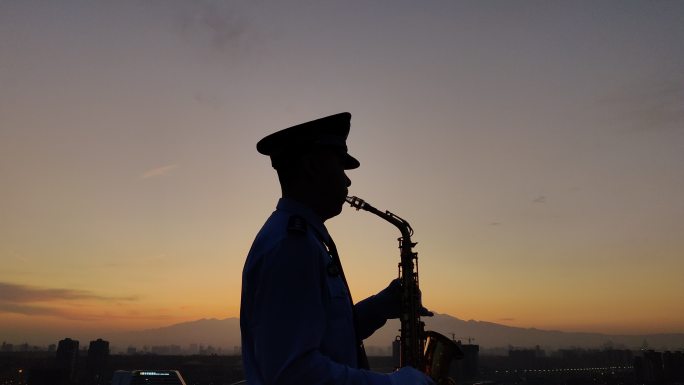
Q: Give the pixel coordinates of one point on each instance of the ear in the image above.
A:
(310, 166)
(313, 165)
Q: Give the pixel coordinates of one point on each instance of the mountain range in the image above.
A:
(225, 333)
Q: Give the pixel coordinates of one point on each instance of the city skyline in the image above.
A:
(535, 147)
(222, 336)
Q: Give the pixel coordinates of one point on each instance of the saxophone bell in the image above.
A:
(440, 351)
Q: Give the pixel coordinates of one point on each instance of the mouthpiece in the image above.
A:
(355, 202)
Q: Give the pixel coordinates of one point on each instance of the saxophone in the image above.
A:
(428, 351)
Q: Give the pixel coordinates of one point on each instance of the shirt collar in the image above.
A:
(312, 219)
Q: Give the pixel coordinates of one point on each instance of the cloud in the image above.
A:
(218, 23)
(36, 310)
(507, 319)
(539, 199)
(52, 311)
(662, 106)
(656, 105)
(158, 171)
(35, 301)
(13, 293)
(207, 100)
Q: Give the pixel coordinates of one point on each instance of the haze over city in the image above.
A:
(536, 147)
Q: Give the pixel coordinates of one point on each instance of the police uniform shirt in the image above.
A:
(296, 315)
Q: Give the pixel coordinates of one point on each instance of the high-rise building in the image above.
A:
(67, 358)
(471, 360)
(467, 368)
(673, 367)
(396, 352)
(98, 357)
(649, 367)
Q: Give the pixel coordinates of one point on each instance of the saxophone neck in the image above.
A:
(400, 223)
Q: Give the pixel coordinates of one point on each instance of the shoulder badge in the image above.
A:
(296, 225)
(333, 270)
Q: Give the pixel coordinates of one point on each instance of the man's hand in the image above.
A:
(410, 376)
(391, 296)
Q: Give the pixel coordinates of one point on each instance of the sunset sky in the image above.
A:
(536, 147)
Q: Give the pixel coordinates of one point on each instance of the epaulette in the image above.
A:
(296, 225)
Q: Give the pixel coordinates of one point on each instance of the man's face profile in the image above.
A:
(329, 181)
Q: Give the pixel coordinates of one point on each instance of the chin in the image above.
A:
(333, 212)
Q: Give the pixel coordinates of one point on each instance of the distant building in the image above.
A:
(98, 358)
(467, 368)
(208, 351)
(673, 367)
(648, 368)
(396, 352)
(166, 350)
(525, 358)
(67, 358)
(194, 348)
(470, 361)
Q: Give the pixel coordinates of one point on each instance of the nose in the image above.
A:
(348, 181)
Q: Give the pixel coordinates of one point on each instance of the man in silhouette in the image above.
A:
(299, 325)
